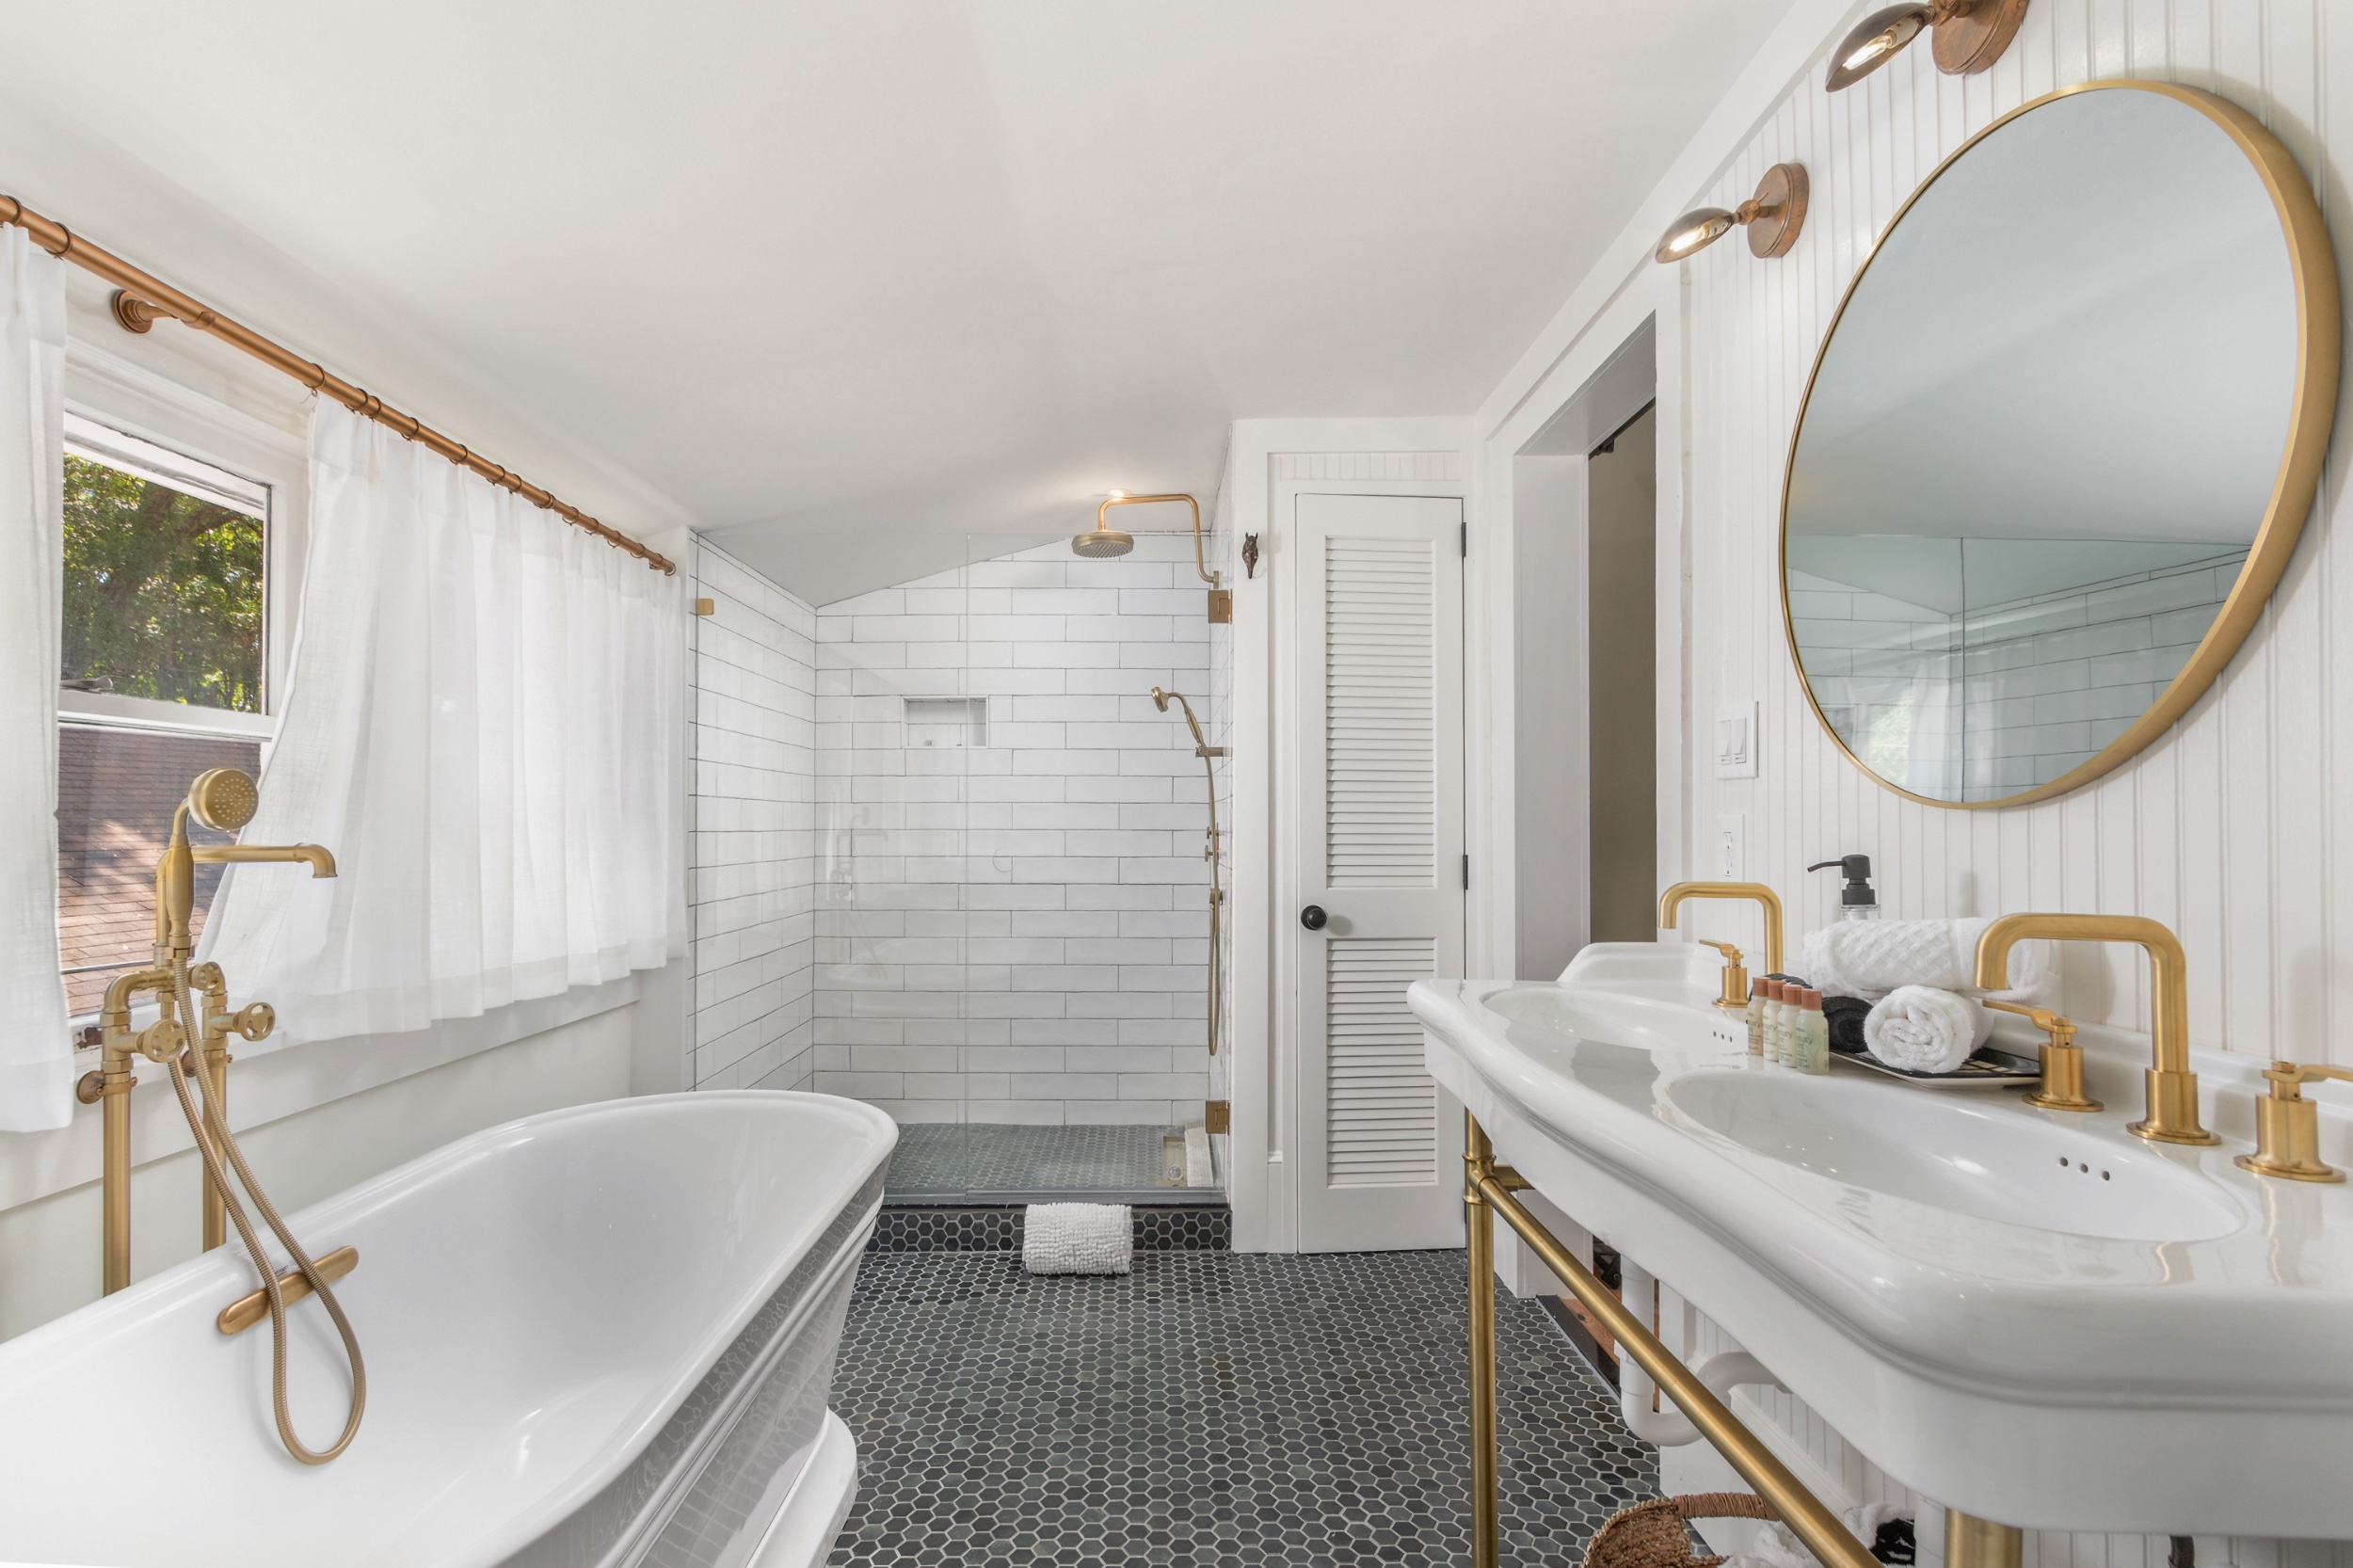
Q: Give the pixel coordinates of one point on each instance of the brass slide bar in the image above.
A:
(145, 297)
(1487, 1192)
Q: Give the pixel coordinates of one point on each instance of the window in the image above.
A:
(166, 673)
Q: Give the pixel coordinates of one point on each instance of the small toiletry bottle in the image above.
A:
(1776, 1021)
(1813, 1033)
(1788, 1024)
(1756, 1016)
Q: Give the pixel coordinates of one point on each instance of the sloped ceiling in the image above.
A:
(843, 284)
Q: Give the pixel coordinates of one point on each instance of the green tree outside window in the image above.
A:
(163, 591)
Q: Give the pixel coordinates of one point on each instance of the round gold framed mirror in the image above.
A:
(2058, 443)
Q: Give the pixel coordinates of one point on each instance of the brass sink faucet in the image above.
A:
(1736, 985)
(2172, 1114)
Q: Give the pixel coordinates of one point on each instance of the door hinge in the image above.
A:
(1466, 541)
(1217, 1115)
(1467, 874)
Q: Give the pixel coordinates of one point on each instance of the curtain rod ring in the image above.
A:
(64, 249)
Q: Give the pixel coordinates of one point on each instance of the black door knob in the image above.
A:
(1313, 917)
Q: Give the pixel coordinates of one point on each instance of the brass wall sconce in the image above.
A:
(1772, 216)
(1967, 37)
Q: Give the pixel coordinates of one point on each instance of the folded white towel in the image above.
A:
(1870, 958)
(1078, 1238)
(1924, 1030)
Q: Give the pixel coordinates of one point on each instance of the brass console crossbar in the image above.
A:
(1488, 1191)
(253, 1308)
(145, 296)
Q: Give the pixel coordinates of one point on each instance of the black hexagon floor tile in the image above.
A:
(1212, 1408)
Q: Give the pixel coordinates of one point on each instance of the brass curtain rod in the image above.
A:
(144, 297)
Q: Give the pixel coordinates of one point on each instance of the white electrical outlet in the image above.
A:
(1731, 850)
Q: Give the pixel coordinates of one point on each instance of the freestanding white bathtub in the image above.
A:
(597, 1336)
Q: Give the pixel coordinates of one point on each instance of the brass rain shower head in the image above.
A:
(1103, 542)
(223, 799)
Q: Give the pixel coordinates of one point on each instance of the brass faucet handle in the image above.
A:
(1736, 982)
(2288, 1126)
(256, 1020)
(2062, 1085)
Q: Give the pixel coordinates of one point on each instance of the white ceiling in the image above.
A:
(843, 283)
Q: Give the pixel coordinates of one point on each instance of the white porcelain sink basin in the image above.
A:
(1962, 1155)
(2031, 1316)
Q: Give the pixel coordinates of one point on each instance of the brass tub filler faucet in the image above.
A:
(2172, 1088)
(1735, 994)
(189, 1039)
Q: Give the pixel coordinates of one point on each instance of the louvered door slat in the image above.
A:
(1379, 1106)
(1380, 690)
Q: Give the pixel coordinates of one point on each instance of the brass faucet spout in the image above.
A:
(1672, 901)
(321, 862)
(2173, 1116)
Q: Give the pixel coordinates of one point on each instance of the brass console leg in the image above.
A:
(1480, 1220)
(1974, 1543)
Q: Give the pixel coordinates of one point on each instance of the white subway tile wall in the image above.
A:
(752, 820)
(1012, 925)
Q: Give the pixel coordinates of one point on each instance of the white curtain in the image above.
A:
(484, 725)
(36, 1056)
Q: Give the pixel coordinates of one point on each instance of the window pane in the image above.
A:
(163, 589)
(116, 792)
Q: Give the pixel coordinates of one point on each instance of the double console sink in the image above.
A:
(2031, 1316)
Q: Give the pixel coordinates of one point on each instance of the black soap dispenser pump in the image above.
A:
(1856, 900)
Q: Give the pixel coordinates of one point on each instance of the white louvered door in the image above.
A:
(1380, 836)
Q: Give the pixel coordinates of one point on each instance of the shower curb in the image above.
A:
(1158, 1227)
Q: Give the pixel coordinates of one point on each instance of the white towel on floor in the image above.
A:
(1078, 1238)
(1924, 1030)
(1871, 958)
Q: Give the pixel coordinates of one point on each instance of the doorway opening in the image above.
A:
(1586, 672)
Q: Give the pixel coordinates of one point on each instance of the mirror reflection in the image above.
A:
(2040, 443)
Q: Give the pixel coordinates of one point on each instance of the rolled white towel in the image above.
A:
(1924, 1030)
(1871, 958)
(1078, 1238)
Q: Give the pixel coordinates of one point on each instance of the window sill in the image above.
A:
(110, 711)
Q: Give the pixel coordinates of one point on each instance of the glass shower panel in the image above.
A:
(1087, 889)
(896, 733)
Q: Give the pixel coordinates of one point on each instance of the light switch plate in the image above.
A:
(1736, 739)
(1732, 853)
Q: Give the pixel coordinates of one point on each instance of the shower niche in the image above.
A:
(946, 723)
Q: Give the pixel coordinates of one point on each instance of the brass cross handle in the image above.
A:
(1735, 995)
(2062, 1085)
(2288, 1126)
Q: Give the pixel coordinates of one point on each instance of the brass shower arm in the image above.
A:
(1199, 564)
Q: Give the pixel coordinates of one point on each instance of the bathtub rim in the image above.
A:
(85, 1329)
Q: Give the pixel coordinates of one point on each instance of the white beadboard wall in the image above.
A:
(2231, 829)
(1013, 924)
(752, 825)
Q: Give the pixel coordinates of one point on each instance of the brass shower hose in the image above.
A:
(212, 1141)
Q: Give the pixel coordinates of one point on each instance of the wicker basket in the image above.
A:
(1656, 1535)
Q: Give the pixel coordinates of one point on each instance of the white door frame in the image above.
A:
(1262, 1183)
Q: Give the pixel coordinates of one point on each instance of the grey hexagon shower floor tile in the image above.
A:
(1212, 1408)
